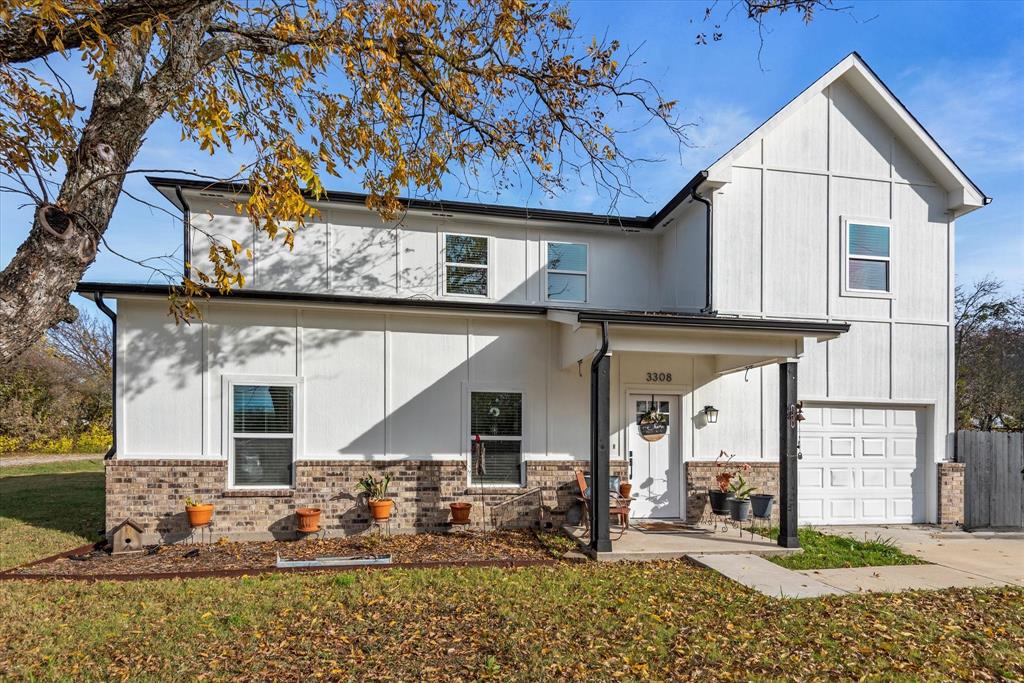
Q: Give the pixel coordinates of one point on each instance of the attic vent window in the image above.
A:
(867, 256)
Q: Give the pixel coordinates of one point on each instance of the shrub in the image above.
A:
(96, 439)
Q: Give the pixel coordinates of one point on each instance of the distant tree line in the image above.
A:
(989, 357)
(55, 397)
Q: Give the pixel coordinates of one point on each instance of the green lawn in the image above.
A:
(49, 507)
(657, 621)
(827, 551)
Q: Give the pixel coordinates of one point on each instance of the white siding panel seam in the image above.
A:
(834, 174)
(204, 369)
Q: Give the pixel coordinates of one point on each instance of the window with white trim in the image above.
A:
(262, 435)
(868, 257)
(496, 438)
(466, 265)
(567, 271)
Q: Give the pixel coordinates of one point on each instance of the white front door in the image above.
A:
(656, 465)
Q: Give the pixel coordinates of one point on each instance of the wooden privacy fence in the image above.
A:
(993, 478)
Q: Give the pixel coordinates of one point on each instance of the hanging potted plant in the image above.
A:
(376, 491)
(460, 512)
(309, 520)
(199, 513)
(723, 476)
(739, 504)
(761, 505)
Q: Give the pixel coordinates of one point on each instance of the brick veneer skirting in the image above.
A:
(951, 493)
(700, 476)
(153, 493)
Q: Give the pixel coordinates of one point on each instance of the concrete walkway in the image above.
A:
(998, 557)
(766, 577)
(899, 578)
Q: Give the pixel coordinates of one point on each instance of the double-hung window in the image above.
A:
(566, 272)
(867, 257)
(263, 435)
(466, 265)
(496, 438)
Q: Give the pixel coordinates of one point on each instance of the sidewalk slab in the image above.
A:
(899, 578)
(766, 577)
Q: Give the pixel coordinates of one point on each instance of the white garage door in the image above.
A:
(861, 465)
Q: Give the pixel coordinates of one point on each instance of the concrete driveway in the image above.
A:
(995, 556)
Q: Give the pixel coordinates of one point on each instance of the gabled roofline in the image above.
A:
(437, 206)
(970, 197)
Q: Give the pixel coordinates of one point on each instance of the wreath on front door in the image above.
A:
(653, 425)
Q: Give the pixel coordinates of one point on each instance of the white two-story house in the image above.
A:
(822, 243)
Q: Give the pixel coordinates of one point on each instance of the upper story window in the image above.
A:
(567, 271)
(867, 257)
(466, 265)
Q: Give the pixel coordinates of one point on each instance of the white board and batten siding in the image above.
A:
(835, 158)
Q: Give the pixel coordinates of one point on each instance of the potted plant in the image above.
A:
(376, 491)
(199, 513)
(723, 476)
(761, 505)
(739, 504)
(309, 520)
(460, 512)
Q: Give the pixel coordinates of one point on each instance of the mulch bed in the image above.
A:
(233, 558)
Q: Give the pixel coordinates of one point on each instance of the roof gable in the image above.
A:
(964, 195)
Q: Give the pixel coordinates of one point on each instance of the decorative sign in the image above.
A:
(653, 426)
(659, 376)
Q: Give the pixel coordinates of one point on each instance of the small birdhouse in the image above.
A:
(126, 538)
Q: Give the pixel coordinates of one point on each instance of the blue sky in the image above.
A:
(956, 65)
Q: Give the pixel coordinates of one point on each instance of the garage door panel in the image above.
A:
(873, 447)
(811, 477)
(841, 447)
(859, 464)
(872, 478)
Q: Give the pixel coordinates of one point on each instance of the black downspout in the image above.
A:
(187, 232)
(710, 250)
(102, 305)
(600, 371)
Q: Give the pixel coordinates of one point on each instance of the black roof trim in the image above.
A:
(497, 210)
(711, 321)
(585, 315)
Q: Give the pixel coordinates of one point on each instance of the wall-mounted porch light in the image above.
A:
(711, 414)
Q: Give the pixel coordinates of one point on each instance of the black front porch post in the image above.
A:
(787, 456)
(600, 469)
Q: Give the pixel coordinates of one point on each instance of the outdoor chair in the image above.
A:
(618, 507)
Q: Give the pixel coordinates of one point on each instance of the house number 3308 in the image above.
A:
(659, 376)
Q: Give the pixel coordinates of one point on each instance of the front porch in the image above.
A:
(638, 545)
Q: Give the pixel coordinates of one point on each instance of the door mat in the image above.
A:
(665, 527)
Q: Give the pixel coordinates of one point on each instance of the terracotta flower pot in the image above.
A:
(309, 519)
(625, 490)
(199, 515)
(460, 512)
(381, 509)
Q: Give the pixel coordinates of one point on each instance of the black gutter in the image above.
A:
(304, 297)
(600, 467)
(497, 210)
(680, 197)
(709, 251)
(712, 322)
(102, 305)
(584, 315)
(186, 220)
